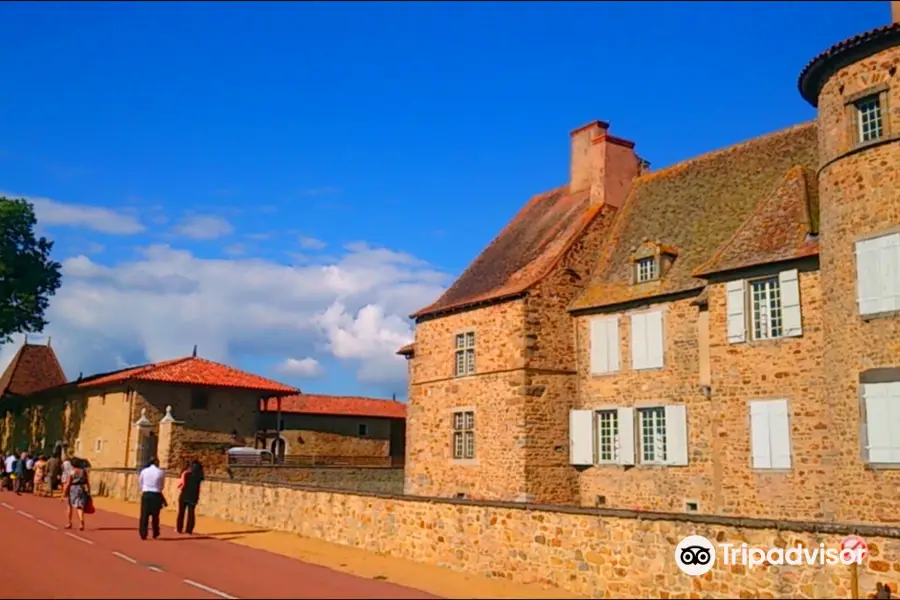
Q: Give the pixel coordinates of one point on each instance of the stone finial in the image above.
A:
(168, 418)
(143, 421)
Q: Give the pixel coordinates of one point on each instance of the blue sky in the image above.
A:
(282, 183)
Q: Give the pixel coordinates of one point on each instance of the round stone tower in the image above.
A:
(855, 85)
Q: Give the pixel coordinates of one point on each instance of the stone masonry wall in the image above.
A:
(600, 554)
(385, 480)
(859, 196)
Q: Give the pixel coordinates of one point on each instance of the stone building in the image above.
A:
(720, 336)
(335, 430)
(183, 408)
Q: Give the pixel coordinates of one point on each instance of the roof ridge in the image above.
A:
(718, 152)
(150, 367)
(759, 209)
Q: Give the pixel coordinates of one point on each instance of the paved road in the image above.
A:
(109, 560)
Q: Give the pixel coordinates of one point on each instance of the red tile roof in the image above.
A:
(32, 369)
(350, 406)
(190, 371)
(524, 252)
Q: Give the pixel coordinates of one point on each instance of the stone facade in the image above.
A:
(333, 435)
(592, 552)
(384, 480)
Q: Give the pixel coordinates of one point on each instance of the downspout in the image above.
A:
(129, 395)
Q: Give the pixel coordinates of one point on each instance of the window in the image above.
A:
(868, 118)
(199, 400)
(463, 435)
(882, 406)
(612, 436)
(465, 353)
(78, 445)
(765, 314)
(647, 269)
(773, 304)
(363, 430)
(608, 426)
(98, 445)
(647, 340)
(878, 274)
(770, 435)
(604, 345)
(653, 435)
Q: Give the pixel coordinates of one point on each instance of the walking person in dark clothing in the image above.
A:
(151, 481)
(190, 482)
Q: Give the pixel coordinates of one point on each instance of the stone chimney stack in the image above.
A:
(602, 163)
(895, 12)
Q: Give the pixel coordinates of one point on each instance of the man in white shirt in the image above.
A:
(151, 480)
(9, 464)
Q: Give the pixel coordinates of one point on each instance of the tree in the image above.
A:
(28, 277)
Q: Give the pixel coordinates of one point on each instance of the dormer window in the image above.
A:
(647, 269)
(869, 118)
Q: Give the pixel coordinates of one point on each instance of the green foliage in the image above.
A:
(28, 277)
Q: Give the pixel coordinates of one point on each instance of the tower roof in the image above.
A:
(32, 369)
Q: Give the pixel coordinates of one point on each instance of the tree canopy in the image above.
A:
(28, 276)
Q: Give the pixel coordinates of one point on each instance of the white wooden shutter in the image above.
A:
(599, 346)
(779, 434)
(759, 436)
(581, 437)
(791, 320)
(676, 435)
(626, 436)
(612, 343)
(735, 296)
(882, 416)
(655, 339)
(867, 276)
(889, 265)
(639, 341)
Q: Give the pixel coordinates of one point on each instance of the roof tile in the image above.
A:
(32, 369)
(351, 406)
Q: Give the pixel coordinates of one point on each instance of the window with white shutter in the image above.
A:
(652, 435)
(676, 435)
(735, 296)
(581, 437)
(626, 435)
(608, 436)
(878, 274)
(604, 345)
(882, 406)
(647, 340)
(770, 434)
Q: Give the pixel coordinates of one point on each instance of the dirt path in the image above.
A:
(434, 580)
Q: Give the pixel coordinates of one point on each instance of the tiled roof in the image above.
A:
(190, 371)
(694, 207)
(32, 369)
(820, 68)
(780, 229)
(407, 350)
(350, 406)
(523, 253)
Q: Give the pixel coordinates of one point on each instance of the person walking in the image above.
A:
(54, 471)
(76, 492)
(151, 481)
(189, 496)
(19, 483)
(40, 487)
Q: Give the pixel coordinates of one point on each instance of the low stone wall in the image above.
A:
(600, 553)
(384, 480)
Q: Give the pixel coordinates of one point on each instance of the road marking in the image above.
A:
(25, 514)
(125, 557)
(206, 588)
(46, 524)
(9, 506)
(79, 538)
(155, 569)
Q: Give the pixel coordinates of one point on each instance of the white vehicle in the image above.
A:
(250, 456)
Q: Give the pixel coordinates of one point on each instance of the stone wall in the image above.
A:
(331, 435)
(594, 552)
(384, 480)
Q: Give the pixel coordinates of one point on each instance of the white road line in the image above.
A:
(79, 538)
(25, 514)
(46, 524)
(155, 569)
(125, 557)
(205, 588)
(9, 506)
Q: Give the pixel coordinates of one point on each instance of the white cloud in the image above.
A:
(235, 249)
(311, 243)
(203, 227)
(306, 368)
(51, 213)
(160, 304)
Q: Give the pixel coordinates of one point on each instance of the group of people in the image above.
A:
(42, 476)
(152, 483)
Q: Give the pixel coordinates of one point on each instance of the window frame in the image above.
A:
(652, 270)
(752, 319)
(865, 437)
(464, 349)
(874, 99)
(659, 412)
(768, 403)
(870, 243)
(362, 429)
(464, 431)
(615, 437)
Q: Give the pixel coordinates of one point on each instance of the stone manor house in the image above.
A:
(721, 336)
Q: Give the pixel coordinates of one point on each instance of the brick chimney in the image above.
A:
(895, 12)
(602, 163)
